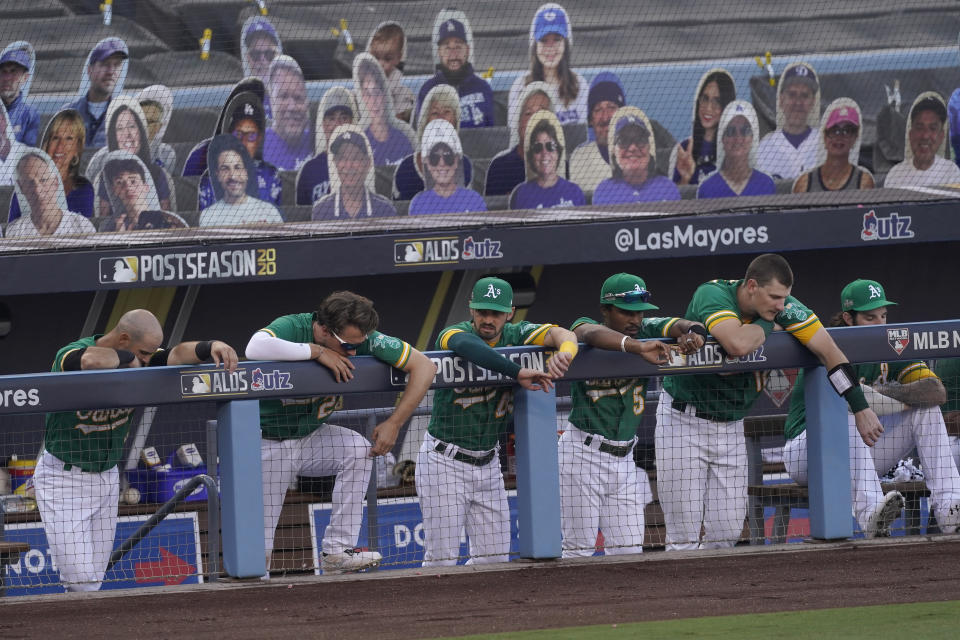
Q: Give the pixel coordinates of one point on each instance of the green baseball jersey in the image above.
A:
(287, 418)
(612, 407)
(91, 439)
(872, 373)
(474, 417)
(948, 370)
(729, 397)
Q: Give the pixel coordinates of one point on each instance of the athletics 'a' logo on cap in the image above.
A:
(875, 292)
(492, 292)
(898, 339)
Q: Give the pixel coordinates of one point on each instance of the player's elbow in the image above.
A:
(256, 350)
(739, 347)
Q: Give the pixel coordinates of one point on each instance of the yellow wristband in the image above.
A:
(569, 347)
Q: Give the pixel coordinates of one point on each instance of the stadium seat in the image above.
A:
(288, 182)
(74, 36)
(296, 214)
(190, 125)
(20, 9)
(6, 193)
(497, 203)
(383, 181)
(485, 142)
(186, 190)
(186, 69)
(62, 75)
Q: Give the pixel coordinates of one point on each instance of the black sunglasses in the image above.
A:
(346, 346)
(634, 295)
(262, 55)
(550, 147)
(447, 157)
(732, 130)
(247, 136)
(845, 131)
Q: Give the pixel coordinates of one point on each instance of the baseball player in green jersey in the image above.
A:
(948, 370)
(298, 440)
(458, 475)
(77, 481)
(600, 485)
(906, 395)
(701, 452)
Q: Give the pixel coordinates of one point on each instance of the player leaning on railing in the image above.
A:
(701, 452)
(77, 480)
(458, 470)
(600, 485)
(298, 440)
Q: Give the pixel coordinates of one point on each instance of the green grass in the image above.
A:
(925, 620)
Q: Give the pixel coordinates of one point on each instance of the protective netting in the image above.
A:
(323, 108)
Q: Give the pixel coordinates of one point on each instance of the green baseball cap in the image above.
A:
(863, 295)
(493, 294)
(626, 291)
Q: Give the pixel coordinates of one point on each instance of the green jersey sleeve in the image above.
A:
(392, 351)
(524, 333)
(798, 320)
(297, 327)
(656, 327)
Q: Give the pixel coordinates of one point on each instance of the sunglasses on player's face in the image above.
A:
(347, 346)
(634, 295)
(549, 147)
(447, 157)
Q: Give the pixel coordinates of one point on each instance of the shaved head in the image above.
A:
(140, 332)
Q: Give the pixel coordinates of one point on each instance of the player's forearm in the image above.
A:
(263, 346)
(99, 358)
(826, 350)
(601, 337)
(926, 392)
(743, 341)
(474, 349)
(422, 372)
(556, 336)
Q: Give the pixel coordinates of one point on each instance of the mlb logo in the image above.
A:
(119, 269)
(194, 384)
(407, 252)
(898, 339)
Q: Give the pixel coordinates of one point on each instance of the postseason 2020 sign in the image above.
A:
(169, 555)
(400, 525)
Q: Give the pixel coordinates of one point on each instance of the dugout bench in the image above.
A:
(767, 431)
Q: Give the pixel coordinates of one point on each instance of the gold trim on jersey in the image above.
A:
(719, 316)
(538, 336)
(804, 331)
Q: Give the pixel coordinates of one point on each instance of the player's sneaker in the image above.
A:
(349, 560)
(886, 512)
(949, 518)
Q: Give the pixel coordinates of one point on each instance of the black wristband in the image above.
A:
(124, 356)
(203, 350)
(698, 329)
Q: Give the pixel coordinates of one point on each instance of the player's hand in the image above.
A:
(224, 354)
(384, 437)
(558, 363)
(535, 380)
(339, 365)
(868, 424)
(654, 352)
(690, 343)
(685, 164)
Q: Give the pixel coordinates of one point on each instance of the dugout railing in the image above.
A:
(535, 419)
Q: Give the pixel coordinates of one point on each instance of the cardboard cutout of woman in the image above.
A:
(63, 141)
(440, 102)
(351, 174)
(127, 131)
(45, 210)
(633, 158)
(441, 159)
(841, 130)
(338, 106)
(127, 180)
(391, 139)
(737, 157)
(234, 179)
(508, 168)
(246, 121)
(695, 158)
(551, 53)
(544, 149)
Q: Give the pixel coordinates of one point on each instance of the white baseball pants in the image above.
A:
(79, 512)
(701, 478)
(330, 450)
(920, 428)
(455, 496)
(600, 491)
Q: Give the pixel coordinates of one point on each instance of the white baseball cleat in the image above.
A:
(887, 511)
(949, 518)
(350, 560)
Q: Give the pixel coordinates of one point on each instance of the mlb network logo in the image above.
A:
(892, 227)
(119, 269)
